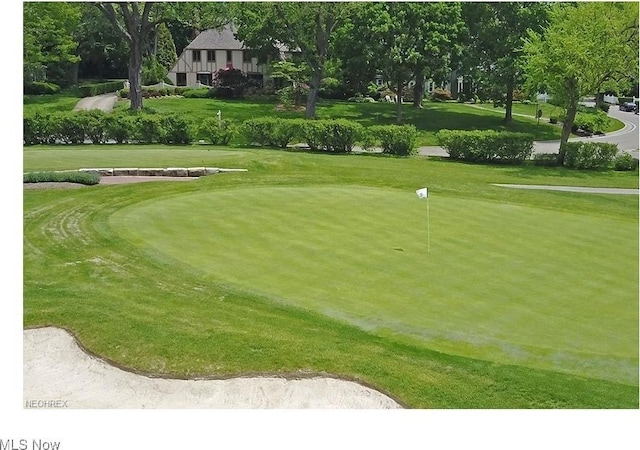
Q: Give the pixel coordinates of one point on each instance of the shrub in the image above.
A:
(119, 127)
(36, 129)
(340, 135)
(486, 145)
(311, 132)
(593, 122)
(94, 123)
(196, 93)
(91, 90)
(397, 140)
(589, 155)
(553, 119)
(218, 132)
(624, 161)
(331, 88)
(176, 129)
(230, 82)
(41, 88)
(441, 94)
(146, 128)
(272, 132)
(545, 159)
(258, 131)
(291, 96)
(68, 128)
(59, 177)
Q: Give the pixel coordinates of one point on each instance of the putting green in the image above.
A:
(489, 280)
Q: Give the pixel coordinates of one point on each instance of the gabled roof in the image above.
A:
(216, 40)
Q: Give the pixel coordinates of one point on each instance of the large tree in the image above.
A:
(307, 27)
(497, 31)
(49, 47)
(136, 22)
(585, 47)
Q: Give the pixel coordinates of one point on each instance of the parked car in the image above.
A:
(629, 107)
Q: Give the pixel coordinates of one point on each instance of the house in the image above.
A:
(212, 50)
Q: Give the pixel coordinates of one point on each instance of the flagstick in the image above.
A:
(428, 228)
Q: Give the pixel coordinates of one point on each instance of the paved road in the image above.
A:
(627, 138)
(103, 102)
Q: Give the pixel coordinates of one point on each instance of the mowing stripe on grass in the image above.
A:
(508, 283)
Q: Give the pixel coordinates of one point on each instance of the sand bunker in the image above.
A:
(57, 370)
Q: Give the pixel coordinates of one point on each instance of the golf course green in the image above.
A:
(315, 264)
(469, 277)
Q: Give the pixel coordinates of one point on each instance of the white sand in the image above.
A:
(57, 369)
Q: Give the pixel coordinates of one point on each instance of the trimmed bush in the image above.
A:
(94, 123)
(60, 177)
(90, 90)
(271, 132)
(440, 94)
(41, 88)
(68, 128)
(593, 122)
(589, 155)
(336, 136)
(196, 93)
(545, 159)
(146, 128)
(624, 161)
(176, 129)
(486, 146)
(36, 129)
(218, 132)
(119, 127)
(399, 140)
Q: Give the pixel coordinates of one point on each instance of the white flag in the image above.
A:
(422, 193)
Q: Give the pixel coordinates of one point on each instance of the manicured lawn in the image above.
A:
(319, 263)
(428, 121)
(48, 103)
(548, 111)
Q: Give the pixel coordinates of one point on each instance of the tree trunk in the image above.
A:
(135, 75)
(316, 76)
(418, 88)
(508, 107)
(572, 109)
(599, 99)
(399, 104)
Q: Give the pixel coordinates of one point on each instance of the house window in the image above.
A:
(181, 79)
(196, 56)
(204, 78)
(248, 55)
(211, 56)
(228, 56)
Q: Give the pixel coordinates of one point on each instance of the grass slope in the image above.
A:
(144, 310)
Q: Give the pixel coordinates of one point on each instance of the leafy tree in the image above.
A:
(304, 26)
(49, 48)
(586, 46)
(497, 31)
(102, 51)
(136, 23)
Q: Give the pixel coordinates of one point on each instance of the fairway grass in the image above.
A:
(496, 282)
(319, 264)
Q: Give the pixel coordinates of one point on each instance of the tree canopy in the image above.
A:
(586, 47)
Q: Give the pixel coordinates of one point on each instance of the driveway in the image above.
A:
(627, 138)
(104, 102)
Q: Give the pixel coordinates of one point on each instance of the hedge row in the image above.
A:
(90, 90)
(336, 136)
(41, 88)
(486, 146)
(58, 177)
(98, 128)
(589, 156)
